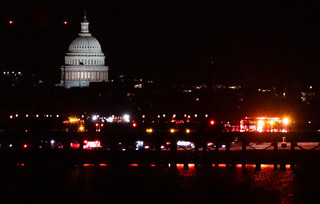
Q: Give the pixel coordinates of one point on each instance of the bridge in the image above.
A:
(118, 148)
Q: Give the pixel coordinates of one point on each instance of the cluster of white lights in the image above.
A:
(185, 144)
(113, 118)
(8, 73)
(110, 119)
(126, 118)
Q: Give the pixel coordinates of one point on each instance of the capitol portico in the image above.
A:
(84, 62)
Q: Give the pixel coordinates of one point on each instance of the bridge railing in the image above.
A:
(118, 148)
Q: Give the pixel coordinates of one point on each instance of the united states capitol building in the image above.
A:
(84, 61)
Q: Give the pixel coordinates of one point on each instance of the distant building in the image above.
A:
(84, 61)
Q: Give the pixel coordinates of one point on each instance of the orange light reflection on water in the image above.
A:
(86, 165)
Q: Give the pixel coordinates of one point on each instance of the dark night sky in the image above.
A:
(174, 40)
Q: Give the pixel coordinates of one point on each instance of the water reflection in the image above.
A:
(280, 182)
(144, 184)
(186, 170)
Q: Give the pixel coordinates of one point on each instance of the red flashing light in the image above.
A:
(102, 125)
(134, 124)
(11, 116)
(75, 145)
(97, 124)
(25, 146)
(65, 22)
(10, 22)
(85, 141)
(212, 122)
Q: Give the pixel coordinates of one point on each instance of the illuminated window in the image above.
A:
(78, 75)
(85, 75)
(88, 75)
(81, 75)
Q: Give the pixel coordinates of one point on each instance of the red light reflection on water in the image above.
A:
(103, 164)
(269, 178)
(238, 166)
(188, 171)
(134, 165)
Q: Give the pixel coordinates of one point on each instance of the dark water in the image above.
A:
(156, 185)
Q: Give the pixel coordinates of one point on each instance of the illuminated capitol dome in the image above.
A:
(84, 62)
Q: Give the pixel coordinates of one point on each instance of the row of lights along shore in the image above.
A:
(63, 22)
(57, 116)
(174, 115)
(37, 116)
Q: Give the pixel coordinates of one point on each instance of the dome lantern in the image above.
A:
(84, 26)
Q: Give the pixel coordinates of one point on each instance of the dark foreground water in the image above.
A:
(155, 185)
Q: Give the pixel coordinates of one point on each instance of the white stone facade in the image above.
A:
(84, 61)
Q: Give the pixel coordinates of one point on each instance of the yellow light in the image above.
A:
(285, 121)
(172, 130)
(149, 130)
(188, 131)
(81, 128)
(73, 120)
(271, 122)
